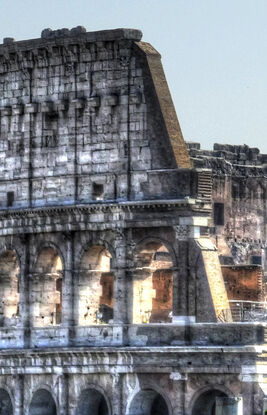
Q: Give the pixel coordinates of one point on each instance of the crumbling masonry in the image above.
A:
(113, 300)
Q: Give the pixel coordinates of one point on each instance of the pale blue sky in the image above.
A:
(214, 54)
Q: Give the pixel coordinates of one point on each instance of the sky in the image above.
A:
(214, 54)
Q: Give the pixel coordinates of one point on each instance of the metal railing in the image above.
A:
(248, 310)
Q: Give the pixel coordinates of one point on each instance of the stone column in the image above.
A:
(187, 230)
(69, 311)
(63, 394)
(180, 277)
(253, 402)
(25, 294)
(120, 301)
(129, 295)
(130, 277)
(117, 393)
(179, 381)
(19, 395)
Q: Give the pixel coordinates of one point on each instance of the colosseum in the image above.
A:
(132, 264)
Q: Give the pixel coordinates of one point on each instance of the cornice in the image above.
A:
(192, 204)
(62, 46)
(85, 351)
(63, 36)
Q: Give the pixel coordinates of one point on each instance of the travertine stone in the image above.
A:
(110, 287)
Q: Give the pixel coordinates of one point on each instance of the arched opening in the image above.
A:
(96, 287)
(5, 403)
(148, 402)
(152, 284)
(93, 402)
(47, 289)
(9, 288)
(42, 403)
(207, 403)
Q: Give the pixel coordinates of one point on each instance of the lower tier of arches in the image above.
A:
(128, 394)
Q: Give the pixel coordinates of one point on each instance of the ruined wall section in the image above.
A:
(207, 286)
(243, 282)
(75, 125)
(163, 120)
(239, 201)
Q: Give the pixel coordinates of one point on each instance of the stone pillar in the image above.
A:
(19, 395)
(179, 381)
(120, 298)
(117, 393)
(187, 230)
(69, 308)
(130, 278)
(63, 394)
(180, 277)
(253, 393)
(129, 295)
(25, 293)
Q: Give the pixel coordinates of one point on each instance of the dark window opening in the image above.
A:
(49, 140)
(235, 191)
(256, 260)
(51, 117)
(98, 191)
(50, 130)
(218, 212)
(10, 199)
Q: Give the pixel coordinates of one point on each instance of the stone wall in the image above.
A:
(111, 287)
(127, 381)
(239, 200)
(243, 282)
(78, 124)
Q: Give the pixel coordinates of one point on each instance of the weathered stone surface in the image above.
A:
(110, 287)
(239, 190)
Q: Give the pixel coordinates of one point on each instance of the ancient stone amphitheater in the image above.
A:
(112, 295)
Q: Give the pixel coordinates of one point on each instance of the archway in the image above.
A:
(93, 402)
(6, 407)
(42, 403)
(47, 289)
(148, 402)
(9, 288)
(152, 284)
(96, 287)
(206, 402)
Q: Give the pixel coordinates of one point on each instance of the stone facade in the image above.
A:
(239, 188)
(112, 295)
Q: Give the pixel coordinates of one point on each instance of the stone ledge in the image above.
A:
(63, 36)
(193, 337)
(49, 106)
(8, 212)
(28, 352)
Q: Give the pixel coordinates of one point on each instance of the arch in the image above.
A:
(46, 288)
(9, 287)
(92, 401)
(205, 401)
(148, 402)
(161, 241)
(6, 407)
(42, 246)
(95, 291)
(152, 283)
(42, 403)
(15, 250)
(88, 243)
